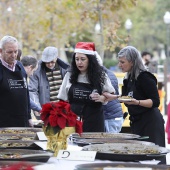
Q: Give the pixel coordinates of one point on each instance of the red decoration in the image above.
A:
(19, 166)
(59, 115)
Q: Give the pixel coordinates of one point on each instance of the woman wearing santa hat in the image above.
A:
(86, 76)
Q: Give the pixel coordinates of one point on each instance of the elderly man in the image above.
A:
(14, 98)
(46, 80)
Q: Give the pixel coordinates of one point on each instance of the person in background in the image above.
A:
(47, 79)
(148, 63)
(83, 85)
(27, 61)
(30, 65)
(141, 85)
(161, 93)
(14, 98)
(146, 58)
(19, 54)
(113, 113)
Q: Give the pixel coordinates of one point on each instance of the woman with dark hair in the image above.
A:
(85, 77)
(141, 86)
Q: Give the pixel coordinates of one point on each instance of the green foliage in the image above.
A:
(40, 23)
(110, 62)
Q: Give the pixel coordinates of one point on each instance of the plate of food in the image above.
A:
(19, 144)
(120, 165)
(127, 151)
(103, 135)
(20, 130)
(84, 142)
(125, 99)
(23, 137)
(24, 155)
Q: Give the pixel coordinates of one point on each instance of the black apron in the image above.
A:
(13, 98)
(145, 121)
(91, 112)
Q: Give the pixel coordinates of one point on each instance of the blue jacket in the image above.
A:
(34, 106)
(113, 108)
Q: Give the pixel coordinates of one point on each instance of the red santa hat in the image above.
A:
(85, 48)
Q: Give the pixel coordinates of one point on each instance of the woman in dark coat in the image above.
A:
(141, 85)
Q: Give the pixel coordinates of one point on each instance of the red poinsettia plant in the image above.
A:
(58, 115)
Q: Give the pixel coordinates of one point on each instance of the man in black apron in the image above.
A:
(14, 96)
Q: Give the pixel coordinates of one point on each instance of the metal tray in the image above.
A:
(20, 130)
(103, 135)
(24, 155)
(125, 152)
(84, 142)
(101, 166)
(18, 144)
(23, 137)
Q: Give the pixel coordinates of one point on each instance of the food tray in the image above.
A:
(103, 135)
(24, 155)
(23, 137)
(18, 144)
(102, 166)
(20, 130)
(127, 152)
(84, 142)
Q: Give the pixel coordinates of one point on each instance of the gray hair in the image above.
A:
(7, 39)
(29, 60)
(134, 56)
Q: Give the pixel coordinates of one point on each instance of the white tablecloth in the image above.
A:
(56, 164)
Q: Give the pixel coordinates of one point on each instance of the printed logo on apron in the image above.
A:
(17, 84)
(130, 94)
(81, 94)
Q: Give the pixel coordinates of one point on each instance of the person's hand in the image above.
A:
(133, 102)
(31, 123)
(37, 113)
(94, 96)
(97, 97)
(110, 96)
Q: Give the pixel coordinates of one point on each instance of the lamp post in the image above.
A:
(99, 31)
(167, 22)
(9, 10)
(128, 26)
(166, 63)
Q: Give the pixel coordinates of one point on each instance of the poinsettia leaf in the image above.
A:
(46, 122)
(61, 122)
(79, 127)
(46, 107)
(71, 123)
(58, 115)
(53, 120)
